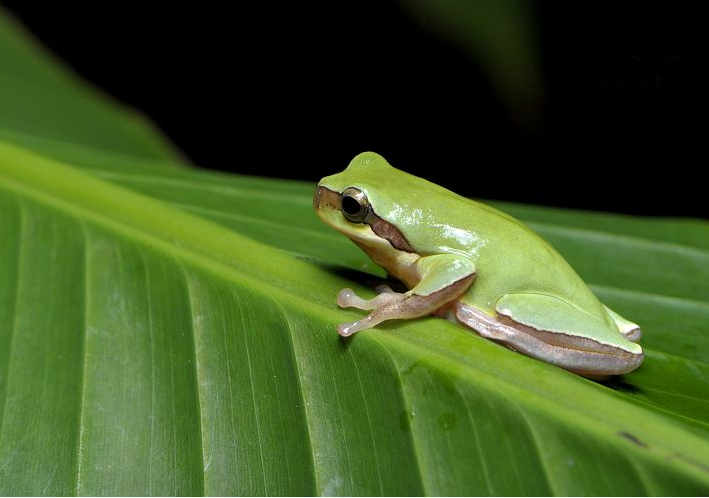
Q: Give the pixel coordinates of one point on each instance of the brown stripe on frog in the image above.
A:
(387, 231)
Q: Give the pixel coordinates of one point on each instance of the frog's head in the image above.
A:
(357, 203)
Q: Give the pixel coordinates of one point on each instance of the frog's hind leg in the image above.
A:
(549, 329)
(630, 330)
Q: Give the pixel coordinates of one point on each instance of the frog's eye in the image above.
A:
(354, 205)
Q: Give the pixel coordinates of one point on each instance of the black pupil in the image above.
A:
(350, 205)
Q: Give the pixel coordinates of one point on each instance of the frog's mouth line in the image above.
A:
(324, 197)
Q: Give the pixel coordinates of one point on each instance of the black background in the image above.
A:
(296, 89)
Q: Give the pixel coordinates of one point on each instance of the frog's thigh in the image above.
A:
(543, 327)
(444, 278)
(630, 330)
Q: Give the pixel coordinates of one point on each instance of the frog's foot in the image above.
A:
(631, 331)
(388, 306)
(633, 335)
(394, 305)
(443, 278)
(347, 298)
(553, 331)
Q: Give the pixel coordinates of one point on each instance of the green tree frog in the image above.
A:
(473, 264)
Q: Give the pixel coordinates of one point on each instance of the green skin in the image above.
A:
(464, 258)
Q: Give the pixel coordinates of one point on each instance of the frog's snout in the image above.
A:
(325, 198)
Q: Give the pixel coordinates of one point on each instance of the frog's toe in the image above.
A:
(631, 331)
(347, 298)
(633, 335)
(347, 329)
(384, 289)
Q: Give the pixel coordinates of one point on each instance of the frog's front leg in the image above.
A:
(443, 279)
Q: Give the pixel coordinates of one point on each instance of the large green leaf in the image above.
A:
(170, 331)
